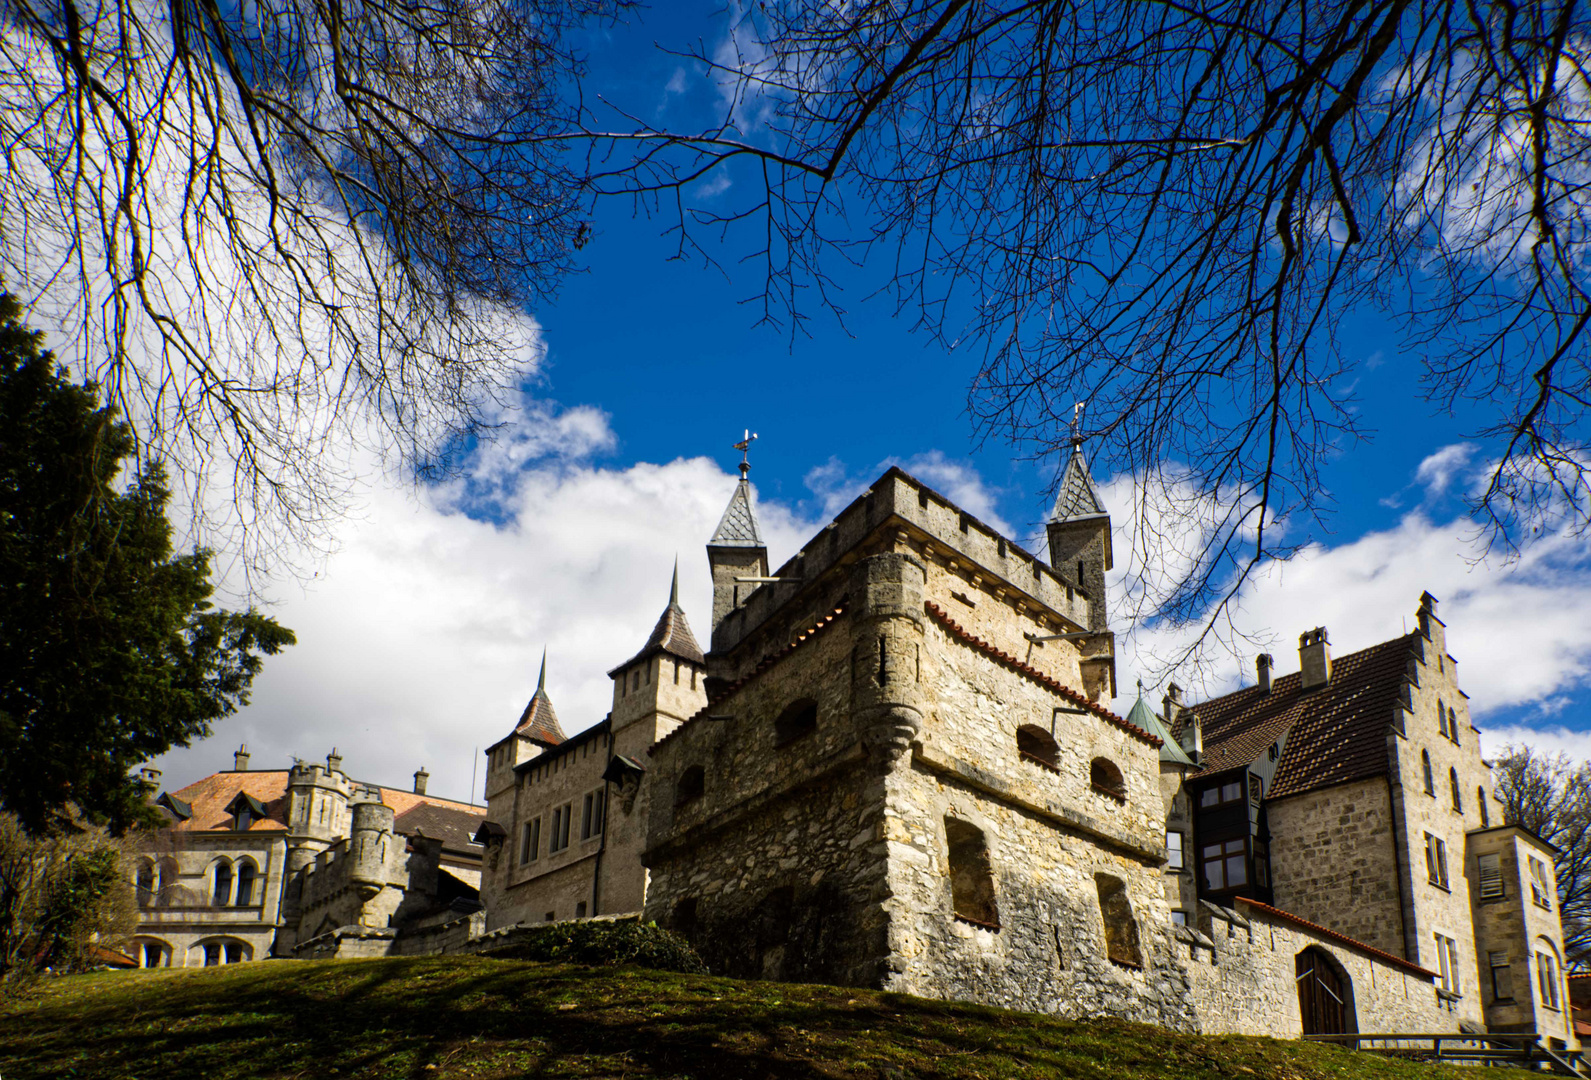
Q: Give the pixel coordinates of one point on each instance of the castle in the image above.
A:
(892, 767)
(285, 862)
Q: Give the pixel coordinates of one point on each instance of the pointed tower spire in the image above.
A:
(736, 549)
(673, 589)
(1143, 717)
(1079, 530)
(539, 721)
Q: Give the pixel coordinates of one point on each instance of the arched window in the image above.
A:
(152, 953)
(1106, 779)
(692, 782)
(1547, 972)
(1035, 744)
(1458, 797)
(168, 892)
(1452, 724)
(971, 879)
(1121, 929)
(219, 951)
(221, 883)
(145, 884)
(247, 874)
(1425, 764)
(1480, 799)
(797, 721)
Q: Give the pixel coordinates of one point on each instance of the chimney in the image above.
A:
(240, 758)
(420, 778)
(1262, 668)
(150, 777)
(334, 761)
(1314, 658)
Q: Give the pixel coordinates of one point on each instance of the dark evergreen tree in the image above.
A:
(110, 650)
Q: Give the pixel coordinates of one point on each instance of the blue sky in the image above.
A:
(419, 637)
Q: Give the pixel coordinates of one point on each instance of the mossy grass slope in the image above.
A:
(430, 1018)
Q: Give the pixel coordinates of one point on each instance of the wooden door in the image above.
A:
(1322, 997)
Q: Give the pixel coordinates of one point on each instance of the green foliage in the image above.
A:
(469, 1018)
(62, 897)
(110, 651)
(604, 942)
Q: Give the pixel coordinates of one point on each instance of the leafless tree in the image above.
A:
(1551, 796)
(267, 229)
(1168, 210)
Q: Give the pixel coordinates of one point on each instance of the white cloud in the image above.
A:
(1520, 630)
(1549, 740)
(1438, 470)
(835, 486)
(418, 643)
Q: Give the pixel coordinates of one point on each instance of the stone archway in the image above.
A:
(1325, 994)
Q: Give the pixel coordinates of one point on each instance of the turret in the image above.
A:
(736, 550)
(1079, 535)
(536, 730)
(667, 675)
(887, 696)
(369, 846)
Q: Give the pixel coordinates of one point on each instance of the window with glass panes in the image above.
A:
(1174, 841)
(1224, 864)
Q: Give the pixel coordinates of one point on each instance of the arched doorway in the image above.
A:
(1325, 994)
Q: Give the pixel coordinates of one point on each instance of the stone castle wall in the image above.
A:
(1241, 968)
(1333, 861)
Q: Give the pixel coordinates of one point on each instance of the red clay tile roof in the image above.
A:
(1335, 733)
(1332, 935)
(1036, 675)
(211, 796)
(763, 665)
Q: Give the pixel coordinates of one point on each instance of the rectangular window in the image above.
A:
(1547, 980)
(1180, 918)
(1256, 788)
(1436, 860)
(1224, 865)
(1221, 794)
(1457, 984)
(1502, 976)
(1262, 867)
(591, 814)
(1445, 960)
(530, 842)
(1490, 871)
(1173, 850)
(561, 819)
(1539, 891)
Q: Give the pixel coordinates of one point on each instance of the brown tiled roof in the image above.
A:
(763, 665)
(211, 796)
(1335, 733)
(1035, 674)
(1341, 939)
(671, 635)
(539, 722)
(453, 826)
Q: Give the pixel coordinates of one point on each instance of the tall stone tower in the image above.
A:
(736, 551)
(1079, 534)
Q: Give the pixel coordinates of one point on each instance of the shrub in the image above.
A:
(602, 942)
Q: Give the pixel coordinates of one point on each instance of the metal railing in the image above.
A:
(1525, 1049)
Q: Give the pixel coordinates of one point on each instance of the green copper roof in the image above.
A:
(1144, 717)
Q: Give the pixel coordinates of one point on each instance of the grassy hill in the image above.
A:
(433, 1018)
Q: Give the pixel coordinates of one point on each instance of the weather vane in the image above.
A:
(744, 446)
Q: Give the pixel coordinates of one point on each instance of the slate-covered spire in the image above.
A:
(1079, 531)
(1077, 499)
(539, 721)
(671, 635)
(736, 551)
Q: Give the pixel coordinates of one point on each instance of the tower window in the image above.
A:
(1034, 744)
(692, 782)
(1452, 782)
(971, 879)
(1106, 779)
(1480, 800)
(1502, 976)
(1425, 765)
(797, 721)
(1489, 869)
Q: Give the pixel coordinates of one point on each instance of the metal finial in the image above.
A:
(744, 446)
(673, 590)
(1140, 688)
(541, 680)
(1077, 421)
